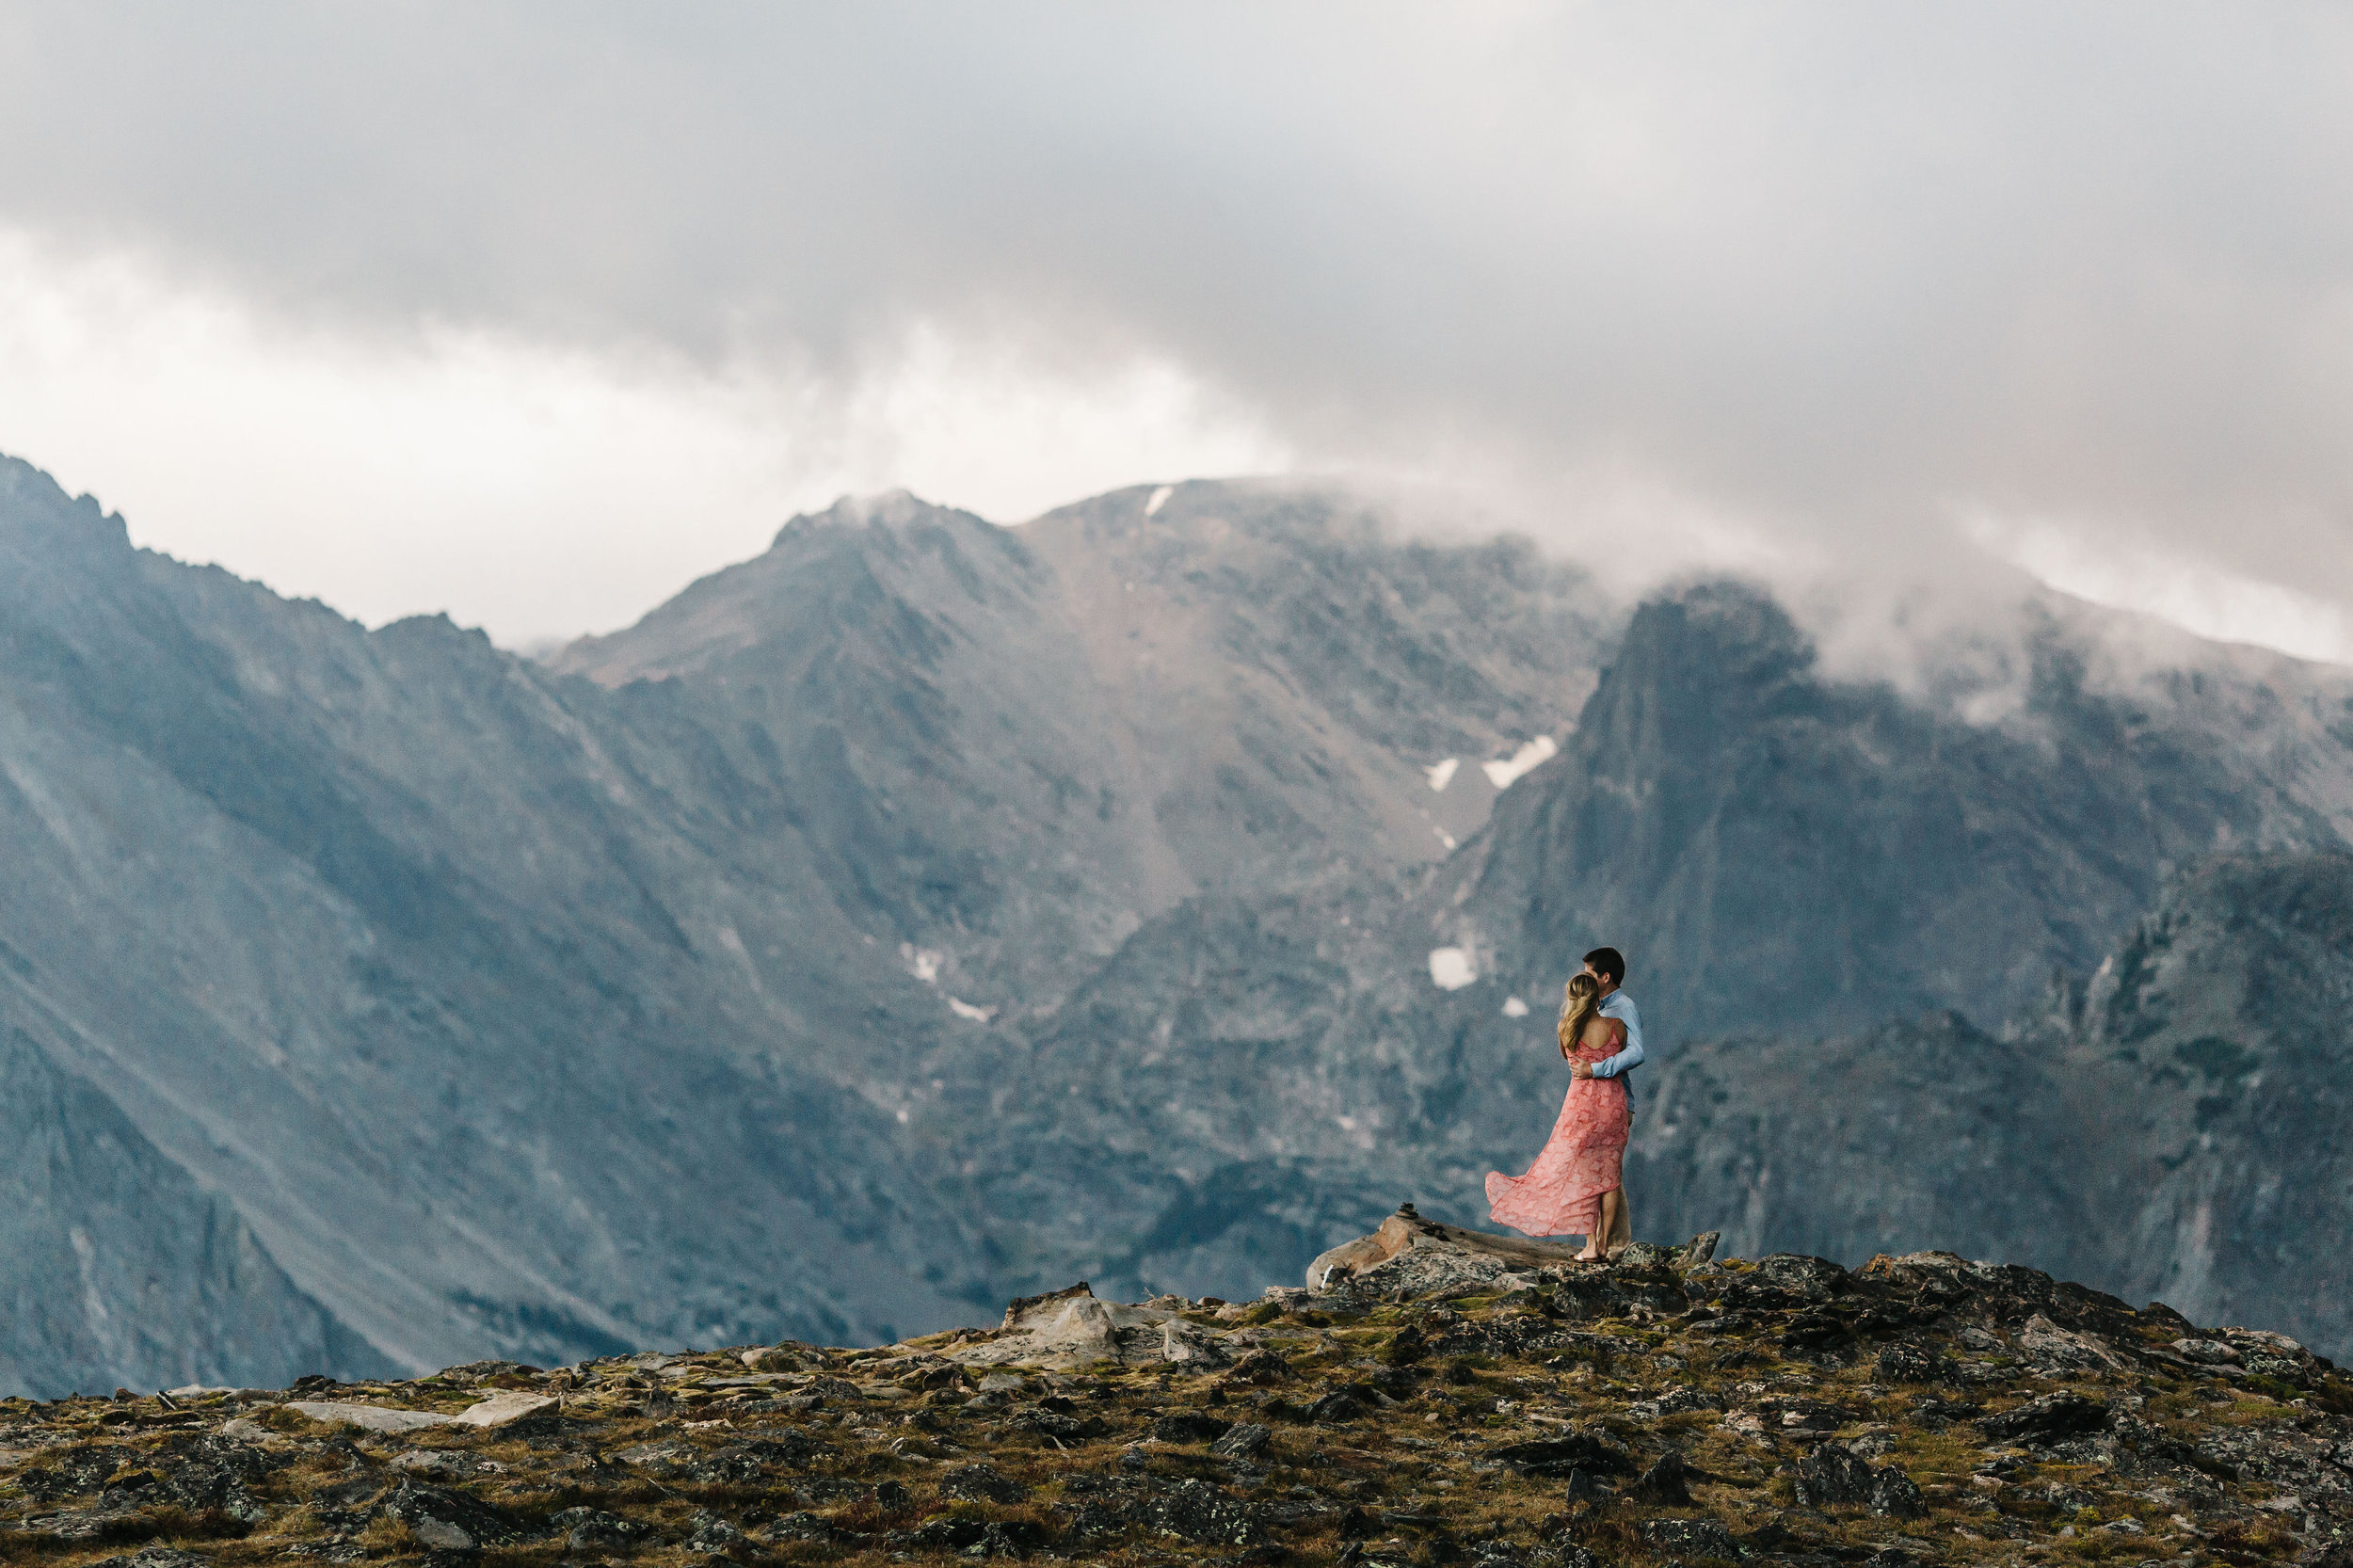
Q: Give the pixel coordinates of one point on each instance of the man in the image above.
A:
(1608, 968)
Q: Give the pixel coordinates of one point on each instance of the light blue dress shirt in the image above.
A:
(1620, 1006)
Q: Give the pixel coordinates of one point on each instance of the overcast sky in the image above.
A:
(534, 312)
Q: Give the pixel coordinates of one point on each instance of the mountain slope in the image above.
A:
(432, 967)
(1017, 746)
(2174, 1129)
(2209, 1056)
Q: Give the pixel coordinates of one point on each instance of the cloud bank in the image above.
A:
(1821, 287)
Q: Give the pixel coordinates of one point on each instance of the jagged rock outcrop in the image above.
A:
(119, 1266)
(1781, 1411)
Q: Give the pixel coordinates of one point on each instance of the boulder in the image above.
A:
(2052, 1417)
(1665, 1484)
(1406, 1231)
(1895, 1496)
(980, 1483)
(2055, 1349)
(1557, 1456)
(1190, 1346)
(770, 1358)
(447, 1521)
(1072, 1329)
(1190, 1426)
(590, 1529)
(2206, 1353)
(1244, 1441)
(1902, 1362)
(712, 1533)
(1411, 1257)
(1699, 1249)
(1834, 1476)
(1690, 1538)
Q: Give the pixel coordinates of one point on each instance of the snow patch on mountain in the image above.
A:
(1505, 772)
(1450, 968)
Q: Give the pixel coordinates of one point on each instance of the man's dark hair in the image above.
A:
(1608, 961)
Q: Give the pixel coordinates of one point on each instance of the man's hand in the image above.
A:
(1580, 1069)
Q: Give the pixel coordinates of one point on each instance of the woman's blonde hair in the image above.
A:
(1581, 999)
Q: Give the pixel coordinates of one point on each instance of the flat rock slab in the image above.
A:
(501, 1408)
(375, 1418)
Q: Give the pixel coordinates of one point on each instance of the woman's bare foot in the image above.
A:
(1590, 1254)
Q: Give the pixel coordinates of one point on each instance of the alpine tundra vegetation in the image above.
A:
(1436, 1397)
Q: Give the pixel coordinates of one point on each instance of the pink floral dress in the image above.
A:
(1560, 1194)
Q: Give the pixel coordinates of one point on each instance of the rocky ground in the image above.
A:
(1440, 1399)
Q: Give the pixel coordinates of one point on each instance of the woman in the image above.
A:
(1574, 1187)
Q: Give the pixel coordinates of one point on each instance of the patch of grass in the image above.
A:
(2245, 1543)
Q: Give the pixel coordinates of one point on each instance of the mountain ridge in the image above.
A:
(465, 979)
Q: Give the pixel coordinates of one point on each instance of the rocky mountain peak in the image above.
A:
(39, 517)
(882, 566)
(1696, 667)
(896, 508)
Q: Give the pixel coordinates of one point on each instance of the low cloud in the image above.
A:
(536, 488)
(1807, 290)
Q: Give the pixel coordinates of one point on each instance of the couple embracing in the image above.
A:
(1576, 1188)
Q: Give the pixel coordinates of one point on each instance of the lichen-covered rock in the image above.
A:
(1190, 1510)
(1692, 1538)
(448, 1520)
(1244, 1440)
(980, 1483)
(2047, 1418)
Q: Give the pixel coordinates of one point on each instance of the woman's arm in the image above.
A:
(1629, 1053)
